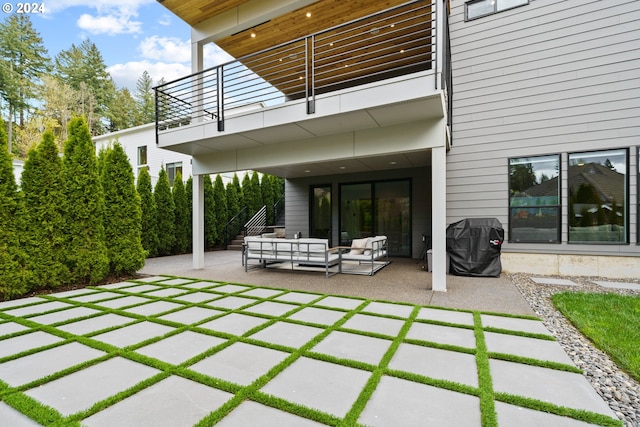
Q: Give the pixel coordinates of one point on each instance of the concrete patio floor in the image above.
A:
(172, 351)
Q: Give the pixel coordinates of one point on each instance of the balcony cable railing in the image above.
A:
(390, 43)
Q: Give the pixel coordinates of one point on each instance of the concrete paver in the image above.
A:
(617, 285)
(553, 281)
(240, 363)
(526, 347)
(319, 385)
(180, 347)
(79, 391)
(442, 335)
(447, 316)
(322, 379)
(379, 325)
(30, 341)
(248, 412)
(361, 348)
(548, 385)
(436, 363)
(174, 401)
(398, 402)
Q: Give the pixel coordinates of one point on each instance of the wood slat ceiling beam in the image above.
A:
(194, 12)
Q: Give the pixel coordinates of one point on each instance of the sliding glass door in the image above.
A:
(377, 208)
(321, 212)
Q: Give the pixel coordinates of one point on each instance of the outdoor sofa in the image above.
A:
(364, 256)
(261, 251)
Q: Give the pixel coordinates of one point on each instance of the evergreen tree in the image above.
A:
(189, 191)
(149, 231)
(181, 245)
(12, 274)
(267, 197)
(250, 195)
(123, 214)
(220, 204)
(145, 100)
(233, 207)
(83, 68)
(123, 112)
(210, 221)
(84, 207)
(23, 59)
(257, 194)
(165, 214)
(241, 202)
(43, 191)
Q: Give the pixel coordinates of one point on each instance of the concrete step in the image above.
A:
(234, 247)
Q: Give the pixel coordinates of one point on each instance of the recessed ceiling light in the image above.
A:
(308, 14)
(393, 163)
(253, 35)
(307, 171)
(343, 167)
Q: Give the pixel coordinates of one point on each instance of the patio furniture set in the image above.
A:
(364, 256)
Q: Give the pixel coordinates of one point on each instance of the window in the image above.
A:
(534, 199)
(479, 8)
(142, 159)
(172, 171)
(598, 187)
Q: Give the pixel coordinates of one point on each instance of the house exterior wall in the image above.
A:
(139, 136)
(549, 77)
(298, 193)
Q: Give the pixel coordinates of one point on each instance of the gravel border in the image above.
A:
(616, 387)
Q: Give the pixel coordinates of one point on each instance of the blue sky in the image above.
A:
(132, 35)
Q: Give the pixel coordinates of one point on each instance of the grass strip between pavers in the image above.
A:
(489, 417)
(45, 415)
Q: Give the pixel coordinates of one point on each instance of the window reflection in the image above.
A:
(534, 189)
(598, 196)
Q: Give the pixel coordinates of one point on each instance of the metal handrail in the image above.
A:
(395, 41)
(257, 224)
(235, 225)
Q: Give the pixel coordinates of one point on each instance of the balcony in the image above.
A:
(388, 46)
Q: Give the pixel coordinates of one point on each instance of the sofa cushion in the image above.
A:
(358, 246)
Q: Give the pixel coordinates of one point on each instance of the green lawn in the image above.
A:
(611, 321)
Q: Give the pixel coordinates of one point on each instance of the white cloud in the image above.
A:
(109, 24)
(126, 75)
(165, 48)
(165, 20)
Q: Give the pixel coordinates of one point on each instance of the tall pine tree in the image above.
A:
(166, 214)
(189, 191)
(44, 198)
(149, 230)
(84, 207)
(12, 274)
(123, 214)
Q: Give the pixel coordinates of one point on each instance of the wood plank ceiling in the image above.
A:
(194, 12)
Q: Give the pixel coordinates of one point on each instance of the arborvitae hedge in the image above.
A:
(149, 224)
(166, 214)
(220, 202)
(210, 222)
(257, 194)
(233, 205)
(84, 207)
(123, 214)
(267, 197)
(189, 191)
(12, 272)
(181, 244)
(44, 199)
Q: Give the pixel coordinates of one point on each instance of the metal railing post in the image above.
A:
(220, 95)
(309, 76)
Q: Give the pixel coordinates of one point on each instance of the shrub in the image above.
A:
(189, 191)
(210, 222)
(267, 197)
(166, 214)
(12, 272)
(181, 244)
(149, 230)
(44, 198)
(220, 205)
(84, 206)
(123, 214)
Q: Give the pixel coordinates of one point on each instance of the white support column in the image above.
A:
(439, 218)
(198, 222)
(197, 64)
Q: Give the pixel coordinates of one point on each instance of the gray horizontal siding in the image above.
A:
(549, 77)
